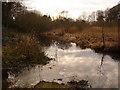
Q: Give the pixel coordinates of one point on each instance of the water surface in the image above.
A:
(70, 63)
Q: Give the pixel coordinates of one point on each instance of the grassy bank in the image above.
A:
(20, 49)
(91, 37)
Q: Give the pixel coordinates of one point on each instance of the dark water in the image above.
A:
(70, 63)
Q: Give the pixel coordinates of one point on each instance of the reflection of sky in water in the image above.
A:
(82, 64)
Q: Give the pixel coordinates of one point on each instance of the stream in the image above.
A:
(70, 62)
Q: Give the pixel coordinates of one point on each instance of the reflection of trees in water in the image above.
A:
(102, 60)
(64, 45)
(56, 54)
(40, 69)
(101, 68)
(101, 71)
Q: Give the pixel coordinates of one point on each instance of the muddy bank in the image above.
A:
(72, 85)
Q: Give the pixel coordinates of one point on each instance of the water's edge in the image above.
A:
(70, 63)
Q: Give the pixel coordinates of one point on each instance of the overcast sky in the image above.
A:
(74, 7)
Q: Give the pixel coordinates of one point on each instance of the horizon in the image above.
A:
(74, 8)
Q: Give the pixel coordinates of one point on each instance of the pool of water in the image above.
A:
(70, 63)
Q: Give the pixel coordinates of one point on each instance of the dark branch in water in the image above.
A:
(102, 60)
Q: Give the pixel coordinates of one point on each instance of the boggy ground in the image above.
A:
(91, 37)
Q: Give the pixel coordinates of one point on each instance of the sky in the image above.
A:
(74, 7)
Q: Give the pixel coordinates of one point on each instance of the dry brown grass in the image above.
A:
(94, 36)
(24, 49)
(28, 46)
(91, 37)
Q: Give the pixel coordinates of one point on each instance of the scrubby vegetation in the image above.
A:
(21, 48)
(22, 29)
(16, 15)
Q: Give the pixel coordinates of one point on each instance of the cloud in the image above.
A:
(74, 7)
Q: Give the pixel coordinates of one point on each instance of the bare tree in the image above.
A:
(92, 18)
(84, 16)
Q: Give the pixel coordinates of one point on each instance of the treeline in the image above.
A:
(108, 17)
(16, 15)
